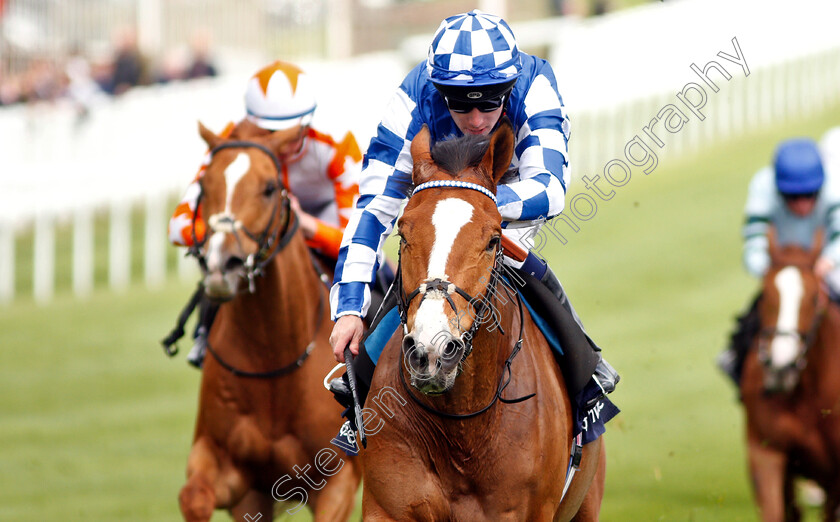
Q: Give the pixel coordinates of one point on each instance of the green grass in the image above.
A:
(97, 422)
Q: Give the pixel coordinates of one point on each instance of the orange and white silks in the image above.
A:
(324, 176)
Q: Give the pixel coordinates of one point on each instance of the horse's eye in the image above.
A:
(270, 189)
(494, 243)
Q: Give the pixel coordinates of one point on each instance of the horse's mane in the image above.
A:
(455, 154)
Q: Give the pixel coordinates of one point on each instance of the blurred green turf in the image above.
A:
(97, 422)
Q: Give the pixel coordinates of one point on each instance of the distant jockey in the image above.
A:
(797, 196)
(320, 172)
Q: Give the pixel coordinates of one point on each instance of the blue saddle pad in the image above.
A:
(589, 421)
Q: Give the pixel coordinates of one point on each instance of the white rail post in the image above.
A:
(83, 258)
(7, 262)
(119, 245)
(43, 278)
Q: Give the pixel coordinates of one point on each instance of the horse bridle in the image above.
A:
(806, 338)
(447, 288)
(267, 249)
(265, 240)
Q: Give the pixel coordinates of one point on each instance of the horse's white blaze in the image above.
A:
(214, 251)
(784, 348)
(233, 173)
(449, 218)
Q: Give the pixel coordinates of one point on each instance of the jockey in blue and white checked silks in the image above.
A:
(467, 49)
(473, 75)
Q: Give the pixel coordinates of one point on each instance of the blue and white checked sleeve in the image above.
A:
(385, 183)
(541, 155)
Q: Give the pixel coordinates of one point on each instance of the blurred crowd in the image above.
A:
(82, 77)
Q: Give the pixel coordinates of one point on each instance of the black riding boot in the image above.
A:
(582, 357)
(731, 360)
(206, 315)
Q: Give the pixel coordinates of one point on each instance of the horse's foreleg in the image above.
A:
(253, 506)
(767, 470)
(198, 496)
(335, 502)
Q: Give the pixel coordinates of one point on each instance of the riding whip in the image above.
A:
(351, 378)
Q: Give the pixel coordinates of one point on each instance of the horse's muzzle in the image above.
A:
(222, 284)
(433, 369)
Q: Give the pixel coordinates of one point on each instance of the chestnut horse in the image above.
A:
(264, 422)
(470, 440)
(790, 387)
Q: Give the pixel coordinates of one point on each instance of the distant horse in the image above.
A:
(472, 443)
(264, 422)
(791, 387)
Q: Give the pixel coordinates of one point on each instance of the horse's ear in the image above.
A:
(207, 135)
(496, 160)
(277, 139)
(421, 156)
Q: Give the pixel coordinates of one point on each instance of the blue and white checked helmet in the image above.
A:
(473, 49)
(798, 166)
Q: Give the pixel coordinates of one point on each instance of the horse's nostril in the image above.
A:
(408, 344)
(233, 263)
(452, 348)
(415, 355)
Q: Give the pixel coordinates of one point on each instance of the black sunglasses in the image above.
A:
(463, 107)
(794, 197)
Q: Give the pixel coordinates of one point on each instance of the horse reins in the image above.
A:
(504, 380)
(278, 372)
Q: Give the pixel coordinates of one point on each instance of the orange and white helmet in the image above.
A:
(280, 96)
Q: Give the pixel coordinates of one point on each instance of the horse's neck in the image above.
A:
(285, 305)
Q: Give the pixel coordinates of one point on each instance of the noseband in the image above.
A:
(265, 240)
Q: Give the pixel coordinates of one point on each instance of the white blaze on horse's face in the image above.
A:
(785, 348)
(449, 218)
(233, 173)
(219, 281)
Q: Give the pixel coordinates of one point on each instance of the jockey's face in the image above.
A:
(288, 150)
(477, 122)
(801, 206)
